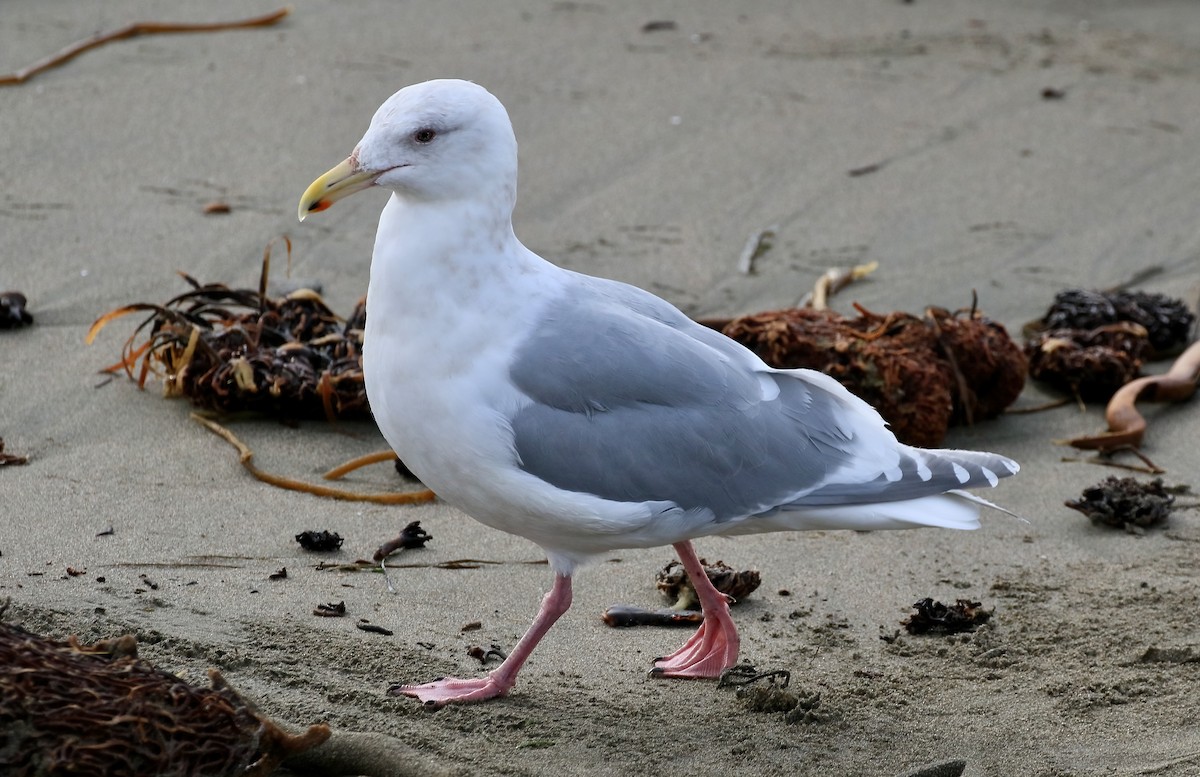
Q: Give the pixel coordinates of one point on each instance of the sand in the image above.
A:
(649, 157)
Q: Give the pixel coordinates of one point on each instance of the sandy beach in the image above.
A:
(1006, 149)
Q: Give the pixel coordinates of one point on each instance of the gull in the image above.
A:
(585, 414)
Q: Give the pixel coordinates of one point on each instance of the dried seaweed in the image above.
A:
(246, 459)
(933, 617)
(411, 536)
(13, 314)
(675, 584)
(1090, 364)
(66, 709)
(232, 350)
(921, 373)
(1167, 321)
(1124, 503)
(319, 541)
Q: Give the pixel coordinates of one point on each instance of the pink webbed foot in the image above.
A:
(448, 690)
(709, 652)
(714, 647)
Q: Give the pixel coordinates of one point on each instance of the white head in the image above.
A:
(437, 140)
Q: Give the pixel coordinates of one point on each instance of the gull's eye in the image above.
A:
(424, 135)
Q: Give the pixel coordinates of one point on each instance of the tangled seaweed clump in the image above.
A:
(67, 709)
(1088, 363)
(921, 373)
(1125, 503)
(1167, 321)
(234, 350)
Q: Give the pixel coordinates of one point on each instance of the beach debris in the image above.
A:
(371, 628)
(234, 350)
(215, 208)
(483, 656)
(340, 471)
(755, 695)
(834, 280)
(756, 245)
(1127, 426)
(319, 541)
(412, 536)
(1053, 93)
(675, 584)
(12, 310)
(472, 626)
(131, 31)
(330, 610)
(621, 616)
(1125, 503)
(363, 565)
(673, 581)
(278, 574)
(921, 373)
(10, 459)
(1090, 364)
(933, 617)
(246, 459)
(137, 719)
(659, 25)
(1167, 321)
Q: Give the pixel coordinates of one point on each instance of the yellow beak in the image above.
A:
(341, 181)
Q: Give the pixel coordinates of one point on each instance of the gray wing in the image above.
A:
(632, 401)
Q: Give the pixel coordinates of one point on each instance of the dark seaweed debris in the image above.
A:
(673, 581)
(411, 536)
(933, 617)
(70, 709)
(12, 310)
(1125, 502)
(233, 350)
(1089, 363)
(319, 541)
(921, 373)
(1167, 321)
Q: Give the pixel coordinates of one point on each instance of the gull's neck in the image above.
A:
(432, 258)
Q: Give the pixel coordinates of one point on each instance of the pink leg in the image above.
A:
(712, 649)
(503, 677)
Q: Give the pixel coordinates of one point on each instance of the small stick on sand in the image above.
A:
(132, 31)
(757, 245)
(834, 280)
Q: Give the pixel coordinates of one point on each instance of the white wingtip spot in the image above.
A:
(991, 476)
(893, 474)
(1012, 466)
(923, 471)
(961, 473)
